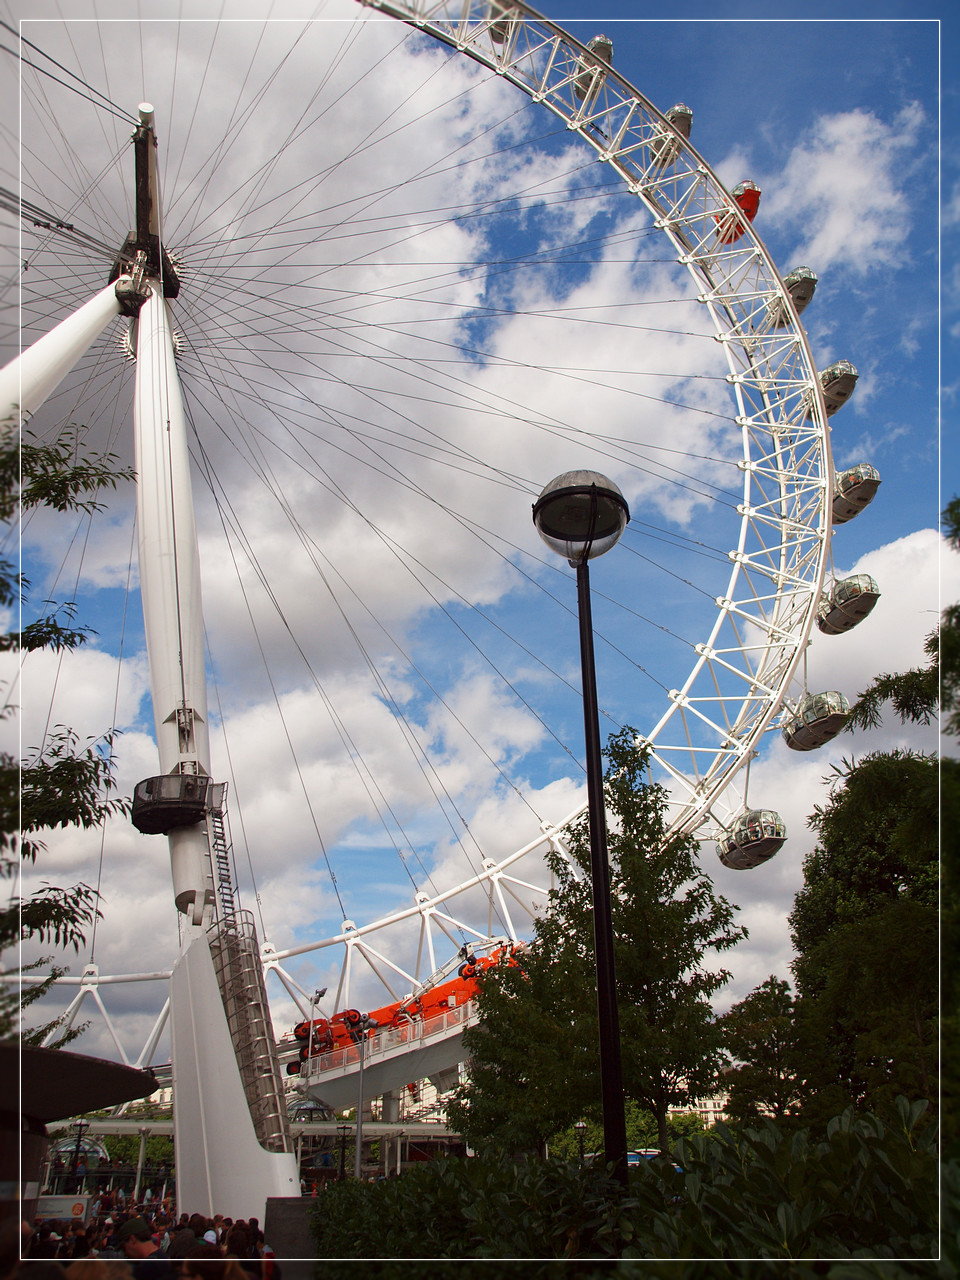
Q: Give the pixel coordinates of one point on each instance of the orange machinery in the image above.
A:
(342, 1030)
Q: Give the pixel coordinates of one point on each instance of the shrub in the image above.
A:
(868, 1190)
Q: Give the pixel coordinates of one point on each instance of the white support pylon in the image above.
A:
(221, 1165)
(170, 591)
(27, 380)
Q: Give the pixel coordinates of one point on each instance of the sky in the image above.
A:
(409, 298)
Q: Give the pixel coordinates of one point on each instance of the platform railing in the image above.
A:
(410, 1035)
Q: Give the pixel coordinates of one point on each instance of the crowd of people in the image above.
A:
(141, 1245)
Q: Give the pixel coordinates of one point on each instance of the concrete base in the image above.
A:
(286, 1226)
(221, 1167)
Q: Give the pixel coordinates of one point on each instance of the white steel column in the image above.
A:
(27, 381)
(221, 1165)
(170, 588)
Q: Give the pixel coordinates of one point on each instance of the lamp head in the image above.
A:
(580, 515)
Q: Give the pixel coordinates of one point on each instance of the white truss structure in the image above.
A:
(745, 660)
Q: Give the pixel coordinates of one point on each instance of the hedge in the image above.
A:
(865, 1192)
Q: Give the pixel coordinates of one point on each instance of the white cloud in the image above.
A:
(842, 190)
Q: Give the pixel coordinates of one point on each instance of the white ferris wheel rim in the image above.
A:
(779, 560)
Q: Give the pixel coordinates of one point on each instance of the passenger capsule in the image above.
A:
(665, 146)
(731, 226)
(848, 602)
(172, 800)
(838, 381)
(854, 489)
(801, 285)
(754, 837)
(499, 21)
(816, 719)
(600, 52)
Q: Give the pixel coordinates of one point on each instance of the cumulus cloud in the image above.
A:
(842, 189)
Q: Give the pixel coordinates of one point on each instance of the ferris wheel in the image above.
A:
(749, 447)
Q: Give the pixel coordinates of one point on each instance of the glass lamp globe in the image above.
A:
(580, 515)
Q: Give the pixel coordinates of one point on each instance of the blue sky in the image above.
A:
(836, 120)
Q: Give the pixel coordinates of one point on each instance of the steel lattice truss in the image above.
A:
(737, 683)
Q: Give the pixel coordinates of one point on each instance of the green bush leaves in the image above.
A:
(867, 1191)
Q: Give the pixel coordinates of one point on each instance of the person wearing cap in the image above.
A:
(147, 1260)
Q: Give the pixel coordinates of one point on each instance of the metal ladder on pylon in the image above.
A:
(236, 959)
(220, 849)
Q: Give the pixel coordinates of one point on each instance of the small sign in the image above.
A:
(60, 1207)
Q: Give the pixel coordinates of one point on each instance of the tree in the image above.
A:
(642, 1132)
(868, 911)
(877, 840)
(760, 1035)
(60, 783)
(865, 924)
(534, 1066)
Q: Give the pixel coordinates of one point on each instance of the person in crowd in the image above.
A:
(99, 1269)
(147, 1260)
(256, 1236)
(45, 1243)
(237, 1243)
(182, 1239)
(77, 1242)
(208, 1263)
(198, 1225)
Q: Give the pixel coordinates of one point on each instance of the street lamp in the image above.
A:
(581, 515)
(365, 1024)
(342, 1131)
(79, 1125)
(317, 997)
(580, 1127)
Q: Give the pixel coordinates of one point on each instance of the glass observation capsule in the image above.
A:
(499, 18)
(816, 719)
(801, 284)
(854, 489)
(172, 800)
(731, 226)
(847, 603)
(838, 381)
(665, 147)
(600, 52)
(754, 838)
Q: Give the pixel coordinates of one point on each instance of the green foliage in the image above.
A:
(950, 952)
(914, 695)
(124, 1148)
(866, 1190)
(13, 1003)
(642, 1132)
(66, 785)
(868, 909)
(534, 1068)
(61, 784)
(760, 1035)
(60, 475)
(877, 840)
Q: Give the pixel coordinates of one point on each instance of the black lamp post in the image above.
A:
(80, 1126)
(581, 515)
(342, 1131)
(365, 1024)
